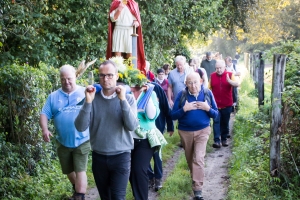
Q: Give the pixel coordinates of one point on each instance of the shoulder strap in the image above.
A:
(207, 96)
(200, 72)
(182, 97)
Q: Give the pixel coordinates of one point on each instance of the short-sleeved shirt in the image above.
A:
(209, 66)
(63, 108)
(177, 81)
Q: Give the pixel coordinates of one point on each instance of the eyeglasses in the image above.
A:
(192, 83)
(109, 76)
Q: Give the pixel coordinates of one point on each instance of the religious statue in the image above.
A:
(124, 17)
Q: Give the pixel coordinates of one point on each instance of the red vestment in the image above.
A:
(134, 9)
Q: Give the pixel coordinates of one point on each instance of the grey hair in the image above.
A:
(67, 68)
(208, 53)
(180, 58)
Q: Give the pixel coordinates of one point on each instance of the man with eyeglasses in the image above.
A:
(221, 83)
(111, 115)
(193, 113)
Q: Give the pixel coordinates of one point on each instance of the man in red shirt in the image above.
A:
(221, 84)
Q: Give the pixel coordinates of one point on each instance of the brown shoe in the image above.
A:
(224, 143)
(216, 145)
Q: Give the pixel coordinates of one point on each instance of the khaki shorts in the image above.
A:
(73, 159)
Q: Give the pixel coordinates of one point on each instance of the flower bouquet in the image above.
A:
(133, 78)
(127, 73)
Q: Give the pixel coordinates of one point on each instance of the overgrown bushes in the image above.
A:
(28, 168)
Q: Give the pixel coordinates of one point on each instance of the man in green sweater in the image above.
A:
(111, 115)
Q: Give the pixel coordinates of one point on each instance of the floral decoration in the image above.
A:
(127, 73)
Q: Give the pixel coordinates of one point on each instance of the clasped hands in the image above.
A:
(194, 105)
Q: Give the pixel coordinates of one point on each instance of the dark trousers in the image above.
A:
(158, 171)
(140, 159)
(111, 174)
(221, 124)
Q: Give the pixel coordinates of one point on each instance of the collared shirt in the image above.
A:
(110, 96)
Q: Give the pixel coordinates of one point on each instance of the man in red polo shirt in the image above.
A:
(221, 84)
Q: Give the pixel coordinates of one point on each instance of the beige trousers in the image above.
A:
(194, 144)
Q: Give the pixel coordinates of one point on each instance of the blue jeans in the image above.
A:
(221, 124)
(111, 174)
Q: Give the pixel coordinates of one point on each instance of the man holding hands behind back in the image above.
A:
(111, 115)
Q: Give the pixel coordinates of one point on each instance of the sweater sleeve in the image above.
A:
(213, 111)
(83, 119)
(129, 113)
(177, 111)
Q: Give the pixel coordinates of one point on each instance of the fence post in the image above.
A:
(279, 62)
(247, 61)
(255, 68)
(260, 79)
(251, 66)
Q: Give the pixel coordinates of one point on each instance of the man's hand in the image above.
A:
(120, 90)
(90, 93)
(46, 135)
(203, 105)
(189, 106)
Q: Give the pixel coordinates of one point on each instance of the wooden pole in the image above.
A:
(260, 80)
(279, 62)
(251, 65)
(247, 61)
(255, 69)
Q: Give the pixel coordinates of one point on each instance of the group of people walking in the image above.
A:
(121, 138)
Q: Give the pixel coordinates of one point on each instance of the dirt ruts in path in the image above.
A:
(93, 194)
(216, 179)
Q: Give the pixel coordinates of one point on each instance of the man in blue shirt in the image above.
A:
(63, 106)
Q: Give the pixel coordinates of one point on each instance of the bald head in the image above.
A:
(193, 82)
(220, 66)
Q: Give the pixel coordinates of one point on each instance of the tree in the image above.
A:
(58, 32)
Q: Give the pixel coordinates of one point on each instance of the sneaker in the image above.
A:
(158, 184)
(198, 195)
(224, 143)
(151, 183)
(79, 197)
(216, 145)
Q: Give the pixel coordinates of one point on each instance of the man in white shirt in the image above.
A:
(230, 67)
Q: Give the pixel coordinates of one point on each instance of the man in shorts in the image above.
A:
(73, 147)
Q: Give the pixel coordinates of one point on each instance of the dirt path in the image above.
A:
(216, 173)
(216, 179)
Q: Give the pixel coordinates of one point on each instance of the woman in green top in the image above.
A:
(147, 139)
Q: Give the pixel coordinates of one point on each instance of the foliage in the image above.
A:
(25, 160)
(22, 93)
(250, 177)
(58, 32)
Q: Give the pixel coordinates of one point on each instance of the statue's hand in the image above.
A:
(135, 23)
(121, 6)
